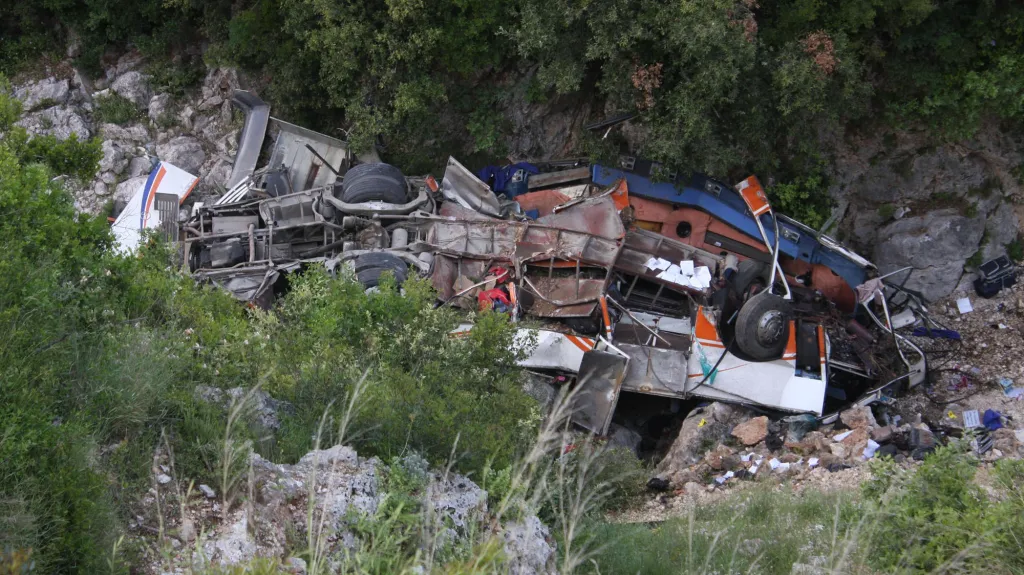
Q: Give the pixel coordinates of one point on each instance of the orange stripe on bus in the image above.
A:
(583, 343)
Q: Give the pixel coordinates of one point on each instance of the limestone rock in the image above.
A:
(126, 189)
(624, 437)
(858, 417)
(158, 106)
(1001, 228)
(935, 244)
(184, 152)
(134, 86)
(113, 159)
(47, 92)
(232, 545)
(139, 166)
(702, 428)
(752, 431)
(528, 548)
(59, 121)
(136, 133)
(264, 408)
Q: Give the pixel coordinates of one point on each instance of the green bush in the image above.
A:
(115, 109)
(936, 515)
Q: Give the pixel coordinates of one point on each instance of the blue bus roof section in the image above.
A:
(725, 203)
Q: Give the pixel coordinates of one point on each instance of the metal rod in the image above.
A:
(326, 163)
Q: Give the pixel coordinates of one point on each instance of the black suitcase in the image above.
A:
(994, 275)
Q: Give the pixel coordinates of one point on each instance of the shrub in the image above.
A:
(114, 108)
(936, 516)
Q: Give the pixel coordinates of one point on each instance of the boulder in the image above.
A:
(858, 417)
(184, 152)
(752, 431)
(158, 106)
(59, 121)
(47, 93)
(113, 159)
(126, 189)
(883, 434)
(134, 86)
(935, 244)
(125, 135)
(528, 548)
(265, 409)
(624, 437)
(139, 166)
(1001, 228)
(702, 429)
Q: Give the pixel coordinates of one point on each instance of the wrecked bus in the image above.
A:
(641, 287)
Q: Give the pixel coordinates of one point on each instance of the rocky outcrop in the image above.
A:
(58, 121)
(340, 489)
(48, 92)
(195, 133)
(184, 152)
(134, 86)
(936, 244)
(936, 207)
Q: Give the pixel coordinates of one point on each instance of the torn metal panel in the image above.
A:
(596, 216)
(461, 186)
(552, 179)
(655, 371)
(543, 201)
(139, 214)
(673, 333)
(492, 239)
(598, 385)
(250, 141)
(538, 243)
(291, 210)
(554, 350)
(641, 245)
(562, 297)
(306, 170)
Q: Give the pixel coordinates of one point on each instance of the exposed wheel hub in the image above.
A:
(771, 326)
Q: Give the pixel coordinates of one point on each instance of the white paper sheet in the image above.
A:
(964, 305)
(687, 267)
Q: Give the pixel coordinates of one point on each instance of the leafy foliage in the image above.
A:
(937, 517)
(115, 109)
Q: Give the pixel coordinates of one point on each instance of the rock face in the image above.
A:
(702, 429)
(59, 121)
(264, 408)
(936, 245)
(48, 91)
(134, 86)
(184, 152)
(348, 487)
(962, 200)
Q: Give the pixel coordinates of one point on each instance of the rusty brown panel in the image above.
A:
(539, 243)
(559, 291)
(596, 216)
(448, 269)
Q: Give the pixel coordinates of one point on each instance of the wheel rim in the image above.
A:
(770, 327)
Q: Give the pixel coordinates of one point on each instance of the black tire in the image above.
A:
(382, 260)
(750, 274)
(369, 268)
(762, 327)
(372, 277)
(376, 182)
